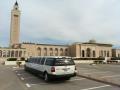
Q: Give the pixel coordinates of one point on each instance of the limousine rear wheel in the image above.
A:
(46, 77)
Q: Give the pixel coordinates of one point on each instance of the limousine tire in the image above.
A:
(67, 78)
(46, 77)
(25, 68)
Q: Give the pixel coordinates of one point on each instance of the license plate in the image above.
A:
(66, 69)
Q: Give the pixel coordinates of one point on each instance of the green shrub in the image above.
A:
(12, 59)
(115, 58)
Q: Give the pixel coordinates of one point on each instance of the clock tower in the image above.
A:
(15, 25)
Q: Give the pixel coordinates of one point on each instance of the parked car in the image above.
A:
(51, 67)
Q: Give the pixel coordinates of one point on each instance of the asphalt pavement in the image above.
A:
(107, 73)
(13, 78)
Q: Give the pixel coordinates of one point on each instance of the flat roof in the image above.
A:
(99, 44)
(47, 44)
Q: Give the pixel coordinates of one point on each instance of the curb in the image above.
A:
(103, 80)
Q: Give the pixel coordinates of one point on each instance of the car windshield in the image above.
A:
(62, 62)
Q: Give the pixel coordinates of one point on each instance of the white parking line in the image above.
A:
(18, 74)
(96, 72)
(16, 71)
(39, 84)
(28, 85)
(30, 77)
(111, 76)
(77, 79)
(22, 78)
(14, 67)
(96, 87)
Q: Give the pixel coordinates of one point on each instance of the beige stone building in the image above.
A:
(91, 49)
(45, 49)
(6, 53)
(116, 53)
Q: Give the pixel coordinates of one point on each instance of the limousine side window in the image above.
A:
(30, 60)
(35, 60)
(42, 61)
(39, 60)
(49, 61)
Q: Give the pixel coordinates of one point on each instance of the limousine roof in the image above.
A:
(51, 57)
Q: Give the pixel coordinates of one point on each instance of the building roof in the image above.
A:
(99, 44)
(44, 44)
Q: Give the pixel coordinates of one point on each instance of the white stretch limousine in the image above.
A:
(52, 67)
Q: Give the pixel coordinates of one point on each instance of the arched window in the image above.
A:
(108, 54)
(16, 53)
(102, 53)
(66, 52)
(88, 54)
(0, 53)
(8, 53)
(20, 53)
(12, 53)
(118, 55)
(45, 51)
(39, 51)
(51, 52)
(83, 53)
(56, 51)
(61, 52)
(4, 53)
(94, 54)
(105, 53)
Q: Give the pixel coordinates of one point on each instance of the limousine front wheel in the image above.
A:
(46, 77)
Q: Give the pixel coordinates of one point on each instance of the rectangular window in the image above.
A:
(62, 62)
(42, 61)
(49, 61)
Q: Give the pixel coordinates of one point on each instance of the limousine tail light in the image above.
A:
(52, 69)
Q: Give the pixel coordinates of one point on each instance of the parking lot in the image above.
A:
(33, 82)
(109, 73)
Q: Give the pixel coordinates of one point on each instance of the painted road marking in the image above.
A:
(38, 84)
(78, 79)
(22, 78)
(28, 85)
(14, 67)
(16, 71)
(111, 76)
(18, 74)
(97, 72)
(30, 77)
(96, 87)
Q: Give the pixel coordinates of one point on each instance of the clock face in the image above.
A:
(16, 8)
(16, 15)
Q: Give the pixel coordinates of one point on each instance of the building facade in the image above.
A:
(90, 50)
(6, 53)
(116, 53)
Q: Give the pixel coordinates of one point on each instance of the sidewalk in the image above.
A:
(99, 75)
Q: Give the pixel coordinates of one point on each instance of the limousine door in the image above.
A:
(40, 66)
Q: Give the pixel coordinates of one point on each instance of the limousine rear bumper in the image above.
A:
(61, 76)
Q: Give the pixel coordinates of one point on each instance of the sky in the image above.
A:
(63, 21)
